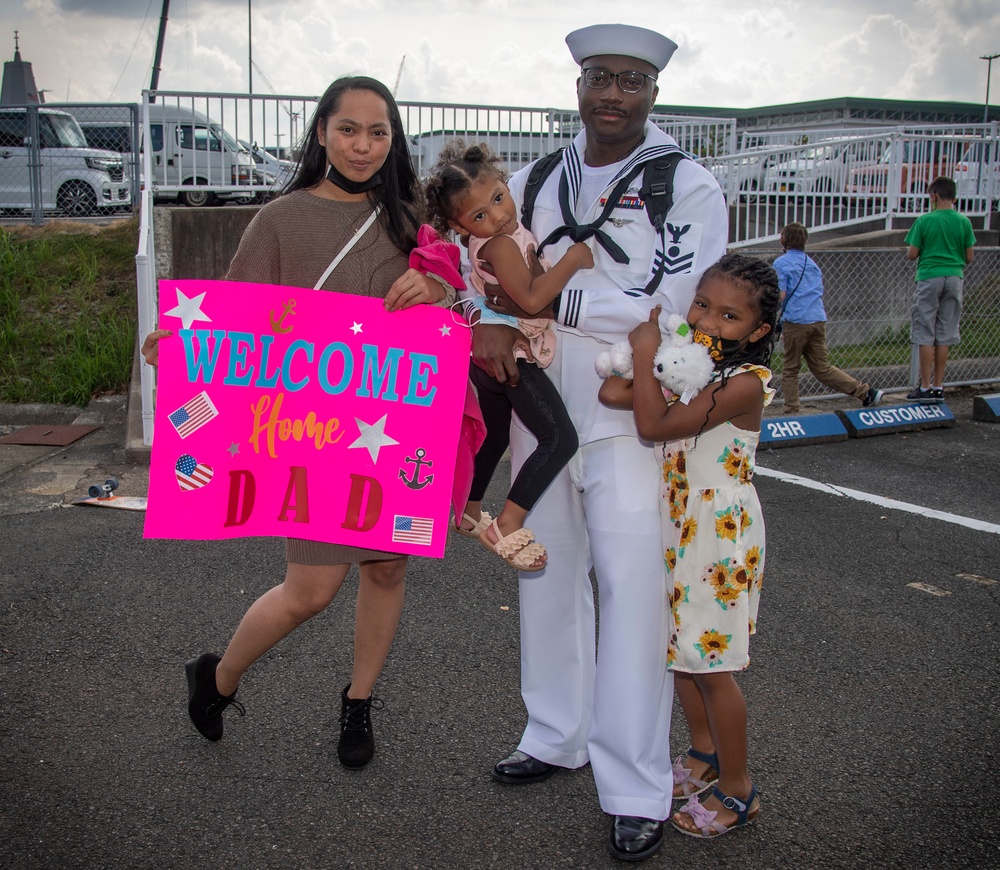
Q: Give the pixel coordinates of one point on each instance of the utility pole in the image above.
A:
(989, 58)
(250, 41)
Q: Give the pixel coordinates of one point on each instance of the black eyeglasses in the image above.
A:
(630, 81)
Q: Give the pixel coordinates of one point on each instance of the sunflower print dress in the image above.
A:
(713, 540)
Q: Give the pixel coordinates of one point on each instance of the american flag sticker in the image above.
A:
(192, 474)
(191, 416)
(412, 530)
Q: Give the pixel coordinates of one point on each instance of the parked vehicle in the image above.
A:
(977, 173)
(269, 171)
(917, 161)
(109, 127)
(113, 128)
(70, 177)
(820, 169)
(190, 150)
(741, 173)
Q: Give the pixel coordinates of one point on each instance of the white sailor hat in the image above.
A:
(621, 39)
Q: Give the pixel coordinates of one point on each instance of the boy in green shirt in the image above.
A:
(941, 242)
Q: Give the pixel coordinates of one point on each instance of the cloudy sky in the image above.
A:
(510, 52)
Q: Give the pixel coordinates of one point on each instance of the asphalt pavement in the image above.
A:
(873, 702)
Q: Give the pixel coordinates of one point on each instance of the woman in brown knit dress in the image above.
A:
(354, 161)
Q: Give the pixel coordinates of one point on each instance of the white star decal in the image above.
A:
(373, 437)
(445, 330)
(356, 328)
(188, 310)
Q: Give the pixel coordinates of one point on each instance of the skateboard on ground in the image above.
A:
(103, 495)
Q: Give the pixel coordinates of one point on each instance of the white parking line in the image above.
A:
(930, 589)
(968, 522)
(976, 578)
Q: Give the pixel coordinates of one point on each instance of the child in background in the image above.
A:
(713, 530)
(941, 242)
(468, 194)
(804, 325)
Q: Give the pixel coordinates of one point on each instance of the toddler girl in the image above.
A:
(467, 194)
(713, 531)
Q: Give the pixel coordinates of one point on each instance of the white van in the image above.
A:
(190, 150)
(71, 177)
(273, 172)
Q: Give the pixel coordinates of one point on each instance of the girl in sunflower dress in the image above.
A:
(713, 529)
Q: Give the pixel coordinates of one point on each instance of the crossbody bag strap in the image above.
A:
(788, 295)
(351, 242)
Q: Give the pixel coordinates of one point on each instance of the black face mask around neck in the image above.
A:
(345, 184)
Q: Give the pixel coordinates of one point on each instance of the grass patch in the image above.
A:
(67, 311)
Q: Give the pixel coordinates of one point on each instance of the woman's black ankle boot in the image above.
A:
(357, 743)
(205, 704)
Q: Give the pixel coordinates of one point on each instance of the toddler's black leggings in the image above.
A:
(537, 403)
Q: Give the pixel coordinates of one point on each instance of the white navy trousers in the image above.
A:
(610, 705)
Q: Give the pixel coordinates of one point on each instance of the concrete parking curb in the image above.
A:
(136, 452)
(36, 414)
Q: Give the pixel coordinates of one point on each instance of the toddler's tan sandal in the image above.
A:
(516, 549)
(688, 786)
(478, 526)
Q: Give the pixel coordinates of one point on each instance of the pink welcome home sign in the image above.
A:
(307, 414)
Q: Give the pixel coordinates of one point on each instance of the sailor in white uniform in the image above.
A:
(609, 705)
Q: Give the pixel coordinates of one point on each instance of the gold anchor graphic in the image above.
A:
(277, 326)
(415, 482)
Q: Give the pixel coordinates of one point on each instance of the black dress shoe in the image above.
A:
(519, 768)
(634, 838)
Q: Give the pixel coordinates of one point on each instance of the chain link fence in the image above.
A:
(68, 160)
(868, 295)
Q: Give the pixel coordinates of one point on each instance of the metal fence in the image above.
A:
(68, 160)
(209, 149)
(203, 149)
(216, 128)
(834, 183)
(868, 298)
(146, 299)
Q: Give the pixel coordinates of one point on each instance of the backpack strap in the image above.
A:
(657, 193)
(536, 178)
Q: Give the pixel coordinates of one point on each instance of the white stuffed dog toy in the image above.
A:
(681, 366)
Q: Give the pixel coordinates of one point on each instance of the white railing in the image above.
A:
(876, 177)
(209, 148)
(145, 279)
(753, 139)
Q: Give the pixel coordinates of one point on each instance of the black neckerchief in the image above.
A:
(581, 232)
(334, 176)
